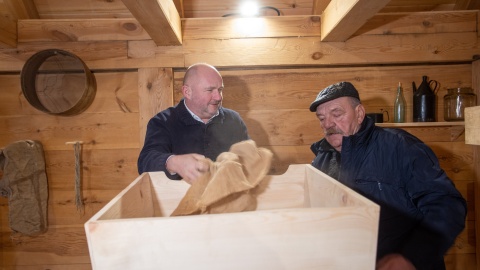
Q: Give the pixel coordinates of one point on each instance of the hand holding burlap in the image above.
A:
(227, 186)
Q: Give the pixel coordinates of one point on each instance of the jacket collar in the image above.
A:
(188, 119)
(366, 128)
(362, 136)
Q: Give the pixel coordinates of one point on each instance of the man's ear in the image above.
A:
(360, 111)
(186, 91)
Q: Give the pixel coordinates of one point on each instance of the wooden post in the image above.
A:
(155, 93)
(476, 160)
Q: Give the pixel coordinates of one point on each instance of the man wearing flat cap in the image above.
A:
(421, 211)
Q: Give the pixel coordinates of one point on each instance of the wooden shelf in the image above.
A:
(422, 124)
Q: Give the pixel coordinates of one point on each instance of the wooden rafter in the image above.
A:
(10, 12)
(342, 18)
(159, 18)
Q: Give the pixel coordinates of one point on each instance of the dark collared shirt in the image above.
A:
(175, 131)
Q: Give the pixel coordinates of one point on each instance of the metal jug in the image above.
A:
(424, 100)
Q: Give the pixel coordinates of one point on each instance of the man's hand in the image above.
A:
(394, 262)
(189, 166)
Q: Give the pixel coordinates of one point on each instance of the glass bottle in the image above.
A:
(399, 107)
(455, 102)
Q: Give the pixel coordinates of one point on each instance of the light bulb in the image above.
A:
(249, 9)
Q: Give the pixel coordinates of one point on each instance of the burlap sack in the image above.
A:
(227, 187)
(24, 182)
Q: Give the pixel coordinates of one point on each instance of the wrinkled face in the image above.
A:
(338, 118)
(203, 93)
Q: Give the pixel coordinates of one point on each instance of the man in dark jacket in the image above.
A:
(421, 210)
(179, 138)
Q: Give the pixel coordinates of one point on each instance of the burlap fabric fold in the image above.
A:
(229, 184)
(24, 183)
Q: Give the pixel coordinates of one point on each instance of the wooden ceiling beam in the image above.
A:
(10, 12)
(342, 18)
(159, 18)
(180, 9)
(318, 6)
(22, 9)
(466, 4)
(129, 29)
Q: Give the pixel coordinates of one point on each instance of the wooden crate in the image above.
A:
(304, 220)
(472, 125)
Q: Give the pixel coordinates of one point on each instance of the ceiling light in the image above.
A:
(249, 9)
(249, 27)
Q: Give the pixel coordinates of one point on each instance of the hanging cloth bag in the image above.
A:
(24, 183)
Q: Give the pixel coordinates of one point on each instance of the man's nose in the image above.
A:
(328, 123)
(216, 95)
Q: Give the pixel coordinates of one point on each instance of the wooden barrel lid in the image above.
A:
(58, 82)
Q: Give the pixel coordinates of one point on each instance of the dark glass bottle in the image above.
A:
(399, 107)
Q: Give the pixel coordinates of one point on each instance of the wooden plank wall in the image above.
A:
(276, 114)
(270, 81)
(109, 156)
(274, 104)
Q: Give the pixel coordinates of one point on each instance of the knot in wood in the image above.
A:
(426, 23)
(315, 18)
(130, 26)
(317, 55)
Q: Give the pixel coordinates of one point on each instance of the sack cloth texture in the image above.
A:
(229, 185)
(24, 183)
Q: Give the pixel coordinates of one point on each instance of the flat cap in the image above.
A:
(334, 91)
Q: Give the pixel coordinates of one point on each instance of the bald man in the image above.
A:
(179, 138)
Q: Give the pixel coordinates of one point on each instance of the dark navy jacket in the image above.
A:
(421, 210)
(175, 131)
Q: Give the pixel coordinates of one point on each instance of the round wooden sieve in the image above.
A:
(58, 82)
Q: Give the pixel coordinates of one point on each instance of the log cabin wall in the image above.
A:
(270, 80)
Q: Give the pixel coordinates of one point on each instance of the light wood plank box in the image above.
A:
(472, 125)
(304, 220)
